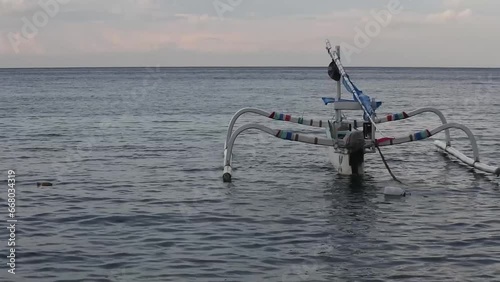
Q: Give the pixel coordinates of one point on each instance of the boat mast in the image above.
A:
(338, 113)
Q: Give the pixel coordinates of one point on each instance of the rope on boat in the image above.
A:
(369, 113)
(387, 165)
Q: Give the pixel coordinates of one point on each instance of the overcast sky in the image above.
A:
(248, 32)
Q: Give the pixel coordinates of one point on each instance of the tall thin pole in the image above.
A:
(338, 113)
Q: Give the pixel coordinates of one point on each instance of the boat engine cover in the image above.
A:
(355, 141)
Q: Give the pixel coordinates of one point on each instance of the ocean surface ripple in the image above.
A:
(135, 156)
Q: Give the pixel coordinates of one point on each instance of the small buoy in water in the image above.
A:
(395, 191)
(38, 184)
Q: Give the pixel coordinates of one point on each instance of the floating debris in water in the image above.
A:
(395, 191)
(38, 184)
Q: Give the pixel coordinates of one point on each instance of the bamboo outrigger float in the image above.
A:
(349, 140)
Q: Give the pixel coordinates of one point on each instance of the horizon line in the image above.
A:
(123, 67)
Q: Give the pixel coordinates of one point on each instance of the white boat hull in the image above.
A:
(340, 160)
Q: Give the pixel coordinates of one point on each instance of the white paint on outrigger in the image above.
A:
(346, 148)
(471, 162)
(421, 111)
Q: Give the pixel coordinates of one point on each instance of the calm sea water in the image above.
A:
(135, 156)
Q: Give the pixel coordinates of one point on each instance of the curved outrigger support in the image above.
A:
(424, 134)
(382, 142)
(475, 162)
(274, 116)
(445, 146)
(282, 134)
(271, 115)
(405, 115)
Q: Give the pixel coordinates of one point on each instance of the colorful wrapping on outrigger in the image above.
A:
(393, 117)
(421, 135)
(289, 135)
(300, 120)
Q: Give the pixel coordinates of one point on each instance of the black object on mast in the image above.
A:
(333, 71)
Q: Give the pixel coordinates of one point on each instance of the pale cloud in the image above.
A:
(449, 15)
(32, 46)
(464, 14)
(160, 29)
(196, 19)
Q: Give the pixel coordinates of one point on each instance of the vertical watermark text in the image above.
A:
(11, 221)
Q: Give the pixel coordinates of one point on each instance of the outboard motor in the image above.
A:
(355, 143)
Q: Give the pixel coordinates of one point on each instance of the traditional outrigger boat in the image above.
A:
(349, 140)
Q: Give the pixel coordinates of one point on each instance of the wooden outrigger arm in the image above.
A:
(324, 124)
(445, 146)
(405, 115)
(271, 115)
(275, 116)
(471, 162)
(393, 117)
(382, 142)
(287, 135)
